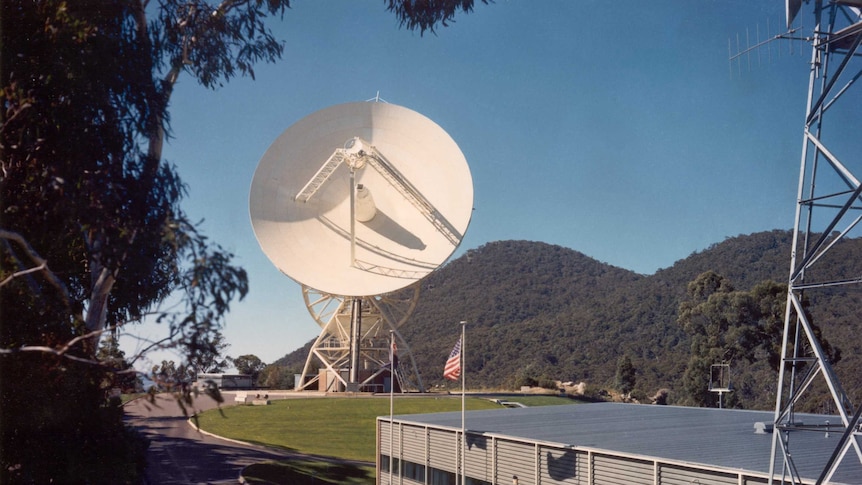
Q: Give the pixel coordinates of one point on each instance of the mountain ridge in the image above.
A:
(542, 311)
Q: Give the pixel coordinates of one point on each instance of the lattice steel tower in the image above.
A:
(828, 210)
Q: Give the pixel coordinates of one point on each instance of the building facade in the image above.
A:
(603, 444)
(225, 381)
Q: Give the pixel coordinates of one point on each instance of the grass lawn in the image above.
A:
(308, 472)
(340, 427)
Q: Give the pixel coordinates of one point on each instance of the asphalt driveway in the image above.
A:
(180, 454)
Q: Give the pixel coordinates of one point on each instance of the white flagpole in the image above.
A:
(463, 394)
(391, 397)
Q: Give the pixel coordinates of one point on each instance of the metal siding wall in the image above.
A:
(413, 442)
(583, 477)
(516, 459)
(558, 466)
(384, 437)
(442, 450)
(760, 481)
(677, 475)
(478, 457)
(615, 470)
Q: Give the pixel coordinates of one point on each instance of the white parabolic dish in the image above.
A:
(418, 179)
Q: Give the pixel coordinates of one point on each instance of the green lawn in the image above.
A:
(308, 472)
(341, 427)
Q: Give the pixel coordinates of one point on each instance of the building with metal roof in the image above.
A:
(601, 443)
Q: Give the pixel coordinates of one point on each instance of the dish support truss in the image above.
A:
(354, 343)
(367, 154)
(828, 209)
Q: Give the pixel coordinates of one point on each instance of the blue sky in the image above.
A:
(616, 130)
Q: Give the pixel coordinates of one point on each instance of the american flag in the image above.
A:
(453, 365)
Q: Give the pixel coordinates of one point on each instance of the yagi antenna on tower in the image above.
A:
(753, 49)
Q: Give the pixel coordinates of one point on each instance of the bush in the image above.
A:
(546, 382)
(596, 393)
(64, 430)
(660, 397)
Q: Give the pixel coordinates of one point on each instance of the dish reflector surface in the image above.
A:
(301, 205)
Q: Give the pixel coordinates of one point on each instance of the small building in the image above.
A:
(226, 381)
(596, 444)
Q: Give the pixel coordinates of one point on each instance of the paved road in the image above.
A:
(179, 454)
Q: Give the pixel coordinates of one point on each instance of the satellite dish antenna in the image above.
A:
(354, 202)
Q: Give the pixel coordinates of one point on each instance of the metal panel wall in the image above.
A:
(479, 457)
(413, 440)
(383, 436)
(384, 439)
(762, 480)
(617, 470)
(443, 450)
(677, 475)
(497, 460)
(558, 466)
(584, 471)
(516, 459)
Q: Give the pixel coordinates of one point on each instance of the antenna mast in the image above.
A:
(744, 52)
(828, 207)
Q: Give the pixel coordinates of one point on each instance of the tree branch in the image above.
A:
(152, 345)
(15, 114)
(48, 350)
(41, 264)
(22, 273)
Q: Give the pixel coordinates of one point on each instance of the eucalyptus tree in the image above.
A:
(86, 87)
(84, 184)
(742, 328)
(249, 364)
(92, 232)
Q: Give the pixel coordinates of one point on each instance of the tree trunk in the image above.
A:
(102, 279)
(102, 282)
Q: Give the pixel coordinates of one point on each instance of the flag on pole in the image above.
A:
(452, 370)
(391, 397)
(393, 354)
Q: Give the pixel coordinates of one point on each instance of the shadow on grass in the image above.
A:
(286, 449)
(308, 472)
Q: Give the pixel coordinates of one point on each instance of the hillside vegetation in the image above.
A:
(539, 313)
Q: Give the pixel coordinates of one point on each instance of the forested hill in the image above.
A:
(537, 310)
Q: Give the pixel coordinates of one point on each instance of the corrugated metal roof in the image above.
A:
(716, 437)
